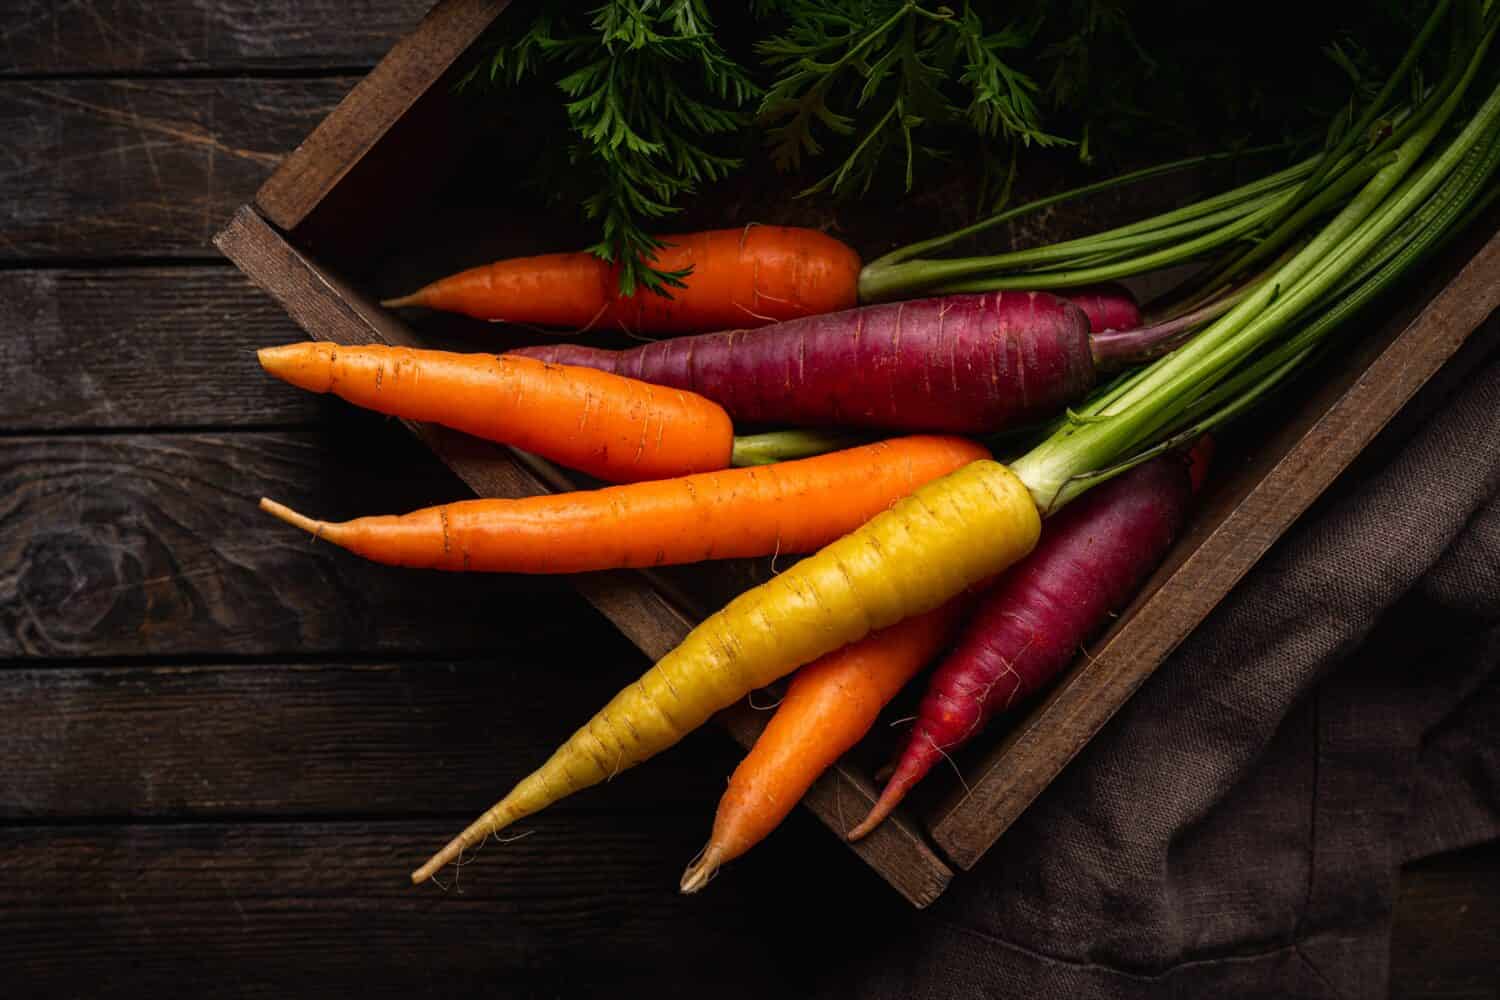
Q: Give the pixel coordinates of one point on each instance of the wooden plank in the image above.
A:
(151, 545)
(1300, 460)
(583, 906)
(324, 305)
(1444, 941)
(367, 739)
(45, 37)
(89, 348)
(144, 167)
(413, 65)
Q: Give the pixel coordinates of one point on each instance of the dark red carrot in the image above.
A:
(1090, 560)
(1108, 306)
(967, 363)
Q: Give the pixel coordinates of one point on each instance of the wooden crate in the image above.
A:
(359, 209)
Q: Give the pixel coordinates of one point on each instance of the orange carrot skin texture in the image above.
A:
(788, 507)
(740, 277)
(614, 428)
(829, 706)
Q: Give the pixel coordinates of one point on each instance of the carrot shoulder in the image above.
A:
(829, 706)
(609, 426)
(739, 277)
(788, 507)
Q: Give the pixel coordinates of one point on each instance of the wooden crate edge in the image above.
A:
(368, 111)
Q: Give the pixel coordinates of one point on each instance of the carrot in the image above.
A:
(829, 706)
(956, 363)
(1108, 306)
(790, 507)
(1091, 558)
(962, 363)
(945, 537)
(610, 427)
(739, 277)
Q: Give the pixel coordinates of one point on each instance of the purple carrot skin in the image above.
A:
(960, 363)
(1108, 306)
(1091, 558)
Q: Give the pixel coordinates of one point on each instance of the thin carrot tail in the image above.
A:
(532, 795)
(474, 834)
(285, 513)
(417, 298)
(916, 761)
(702, 869)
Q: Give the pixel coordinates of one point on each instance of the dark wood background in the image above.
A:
(222, 746)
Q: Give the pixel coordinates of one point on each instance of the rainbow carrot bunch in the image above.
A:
(922, 547)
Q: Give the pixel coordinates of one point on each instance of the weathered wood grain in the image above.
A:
(379, 101)
(1445, 943)
(321, 302)
(327, 739)
(141, 347)
(143, 545)
(57, 37)
(141, 167)
(583, 906)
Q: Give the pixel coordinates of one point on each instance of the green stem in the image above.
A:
(1170, 385)
(781, 446)
(885, 278)
(1344, 183)
(1331, 165)
(1187, 250)
(1118, 242)
(1440, 219)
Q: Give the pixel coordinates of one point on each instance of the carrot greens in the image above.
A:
(649, 95)
(1393, 201)
(900, 66)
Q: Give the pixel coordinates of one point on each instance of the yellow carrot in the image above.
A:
(924, 550)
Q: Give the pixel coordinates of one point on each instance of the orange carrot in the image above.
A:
(609, 426)
(740, 277)
(790, 507)
(829, 706)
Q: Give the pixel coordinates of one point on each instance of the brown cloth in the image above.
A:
(1237, 829)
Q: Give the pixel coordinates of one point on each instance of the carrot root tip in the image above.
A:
(285, 513)
(890, 798)
(402, 301)
(434, 864)
(701, 871)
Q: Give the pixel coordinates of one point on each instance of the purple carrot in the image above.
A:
(965, 363)
(1108, 306)
(956, 363)
(1091, 558)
